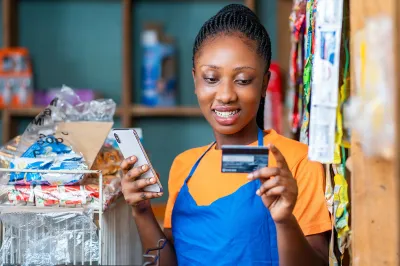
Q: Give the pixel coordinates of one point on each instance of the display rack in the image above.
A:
(15, 256)
(127, 111)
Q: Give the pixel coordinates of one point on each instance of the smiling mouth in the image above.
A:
(226, 114)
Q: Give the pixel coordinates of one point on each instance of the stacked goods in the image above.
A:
(58, 140)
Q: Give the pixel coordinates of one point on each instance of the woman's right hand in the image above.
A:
(132, 186)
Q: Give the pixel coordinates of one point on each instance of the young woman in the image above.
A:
(274, 216)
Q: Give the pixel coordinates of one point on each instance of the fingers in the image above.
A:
(133, 190)
(135, 198)
(280, 159)
(278, 186)
(128, 163)
(136, 172)
(269, 184)
(265, 172)
(138, 185)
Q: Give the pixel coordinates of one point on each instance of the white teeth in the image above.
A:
(226, 114)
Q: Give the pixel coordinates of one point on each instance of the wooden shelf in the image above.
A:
(135, 110)
(35, 110)
(144, 111)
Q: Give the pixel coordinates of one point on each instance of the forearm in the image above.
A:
(150, 232)
(294, 249)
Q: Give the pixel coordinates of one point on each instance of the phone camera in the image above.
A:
(117, 138)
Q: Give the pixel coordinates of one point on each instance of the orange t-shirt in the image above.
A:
(208, 183)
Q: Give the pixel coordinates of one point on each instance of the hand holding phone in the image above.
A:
(131, 148)
(133, 187)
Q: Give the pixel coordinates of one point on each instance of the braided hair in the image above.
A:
(238, 19)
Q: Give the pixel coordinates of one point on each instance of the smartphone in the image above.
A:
(129, 143)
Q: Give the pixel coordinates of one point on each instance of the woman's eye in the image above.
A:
(211, 80)
(243, 81)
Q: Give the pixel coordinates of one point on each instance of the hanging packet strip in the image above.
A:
(324, 97)
(341, 202)
(297, 25)
(342, 135)
(307, 76)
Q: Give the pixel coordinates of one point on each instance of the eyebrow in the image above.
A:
(243, 67)
(211, 66)
(235, 69)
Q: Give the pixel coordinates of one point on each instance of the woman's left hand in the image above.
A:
(278, 188)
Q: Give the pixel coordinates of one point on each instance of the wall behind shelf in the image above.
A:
(79, 43)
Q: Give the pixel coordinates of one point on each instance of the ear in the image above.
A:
(266, 78)
(194, 79)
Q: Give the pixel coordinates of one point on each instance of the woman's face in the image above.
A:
(229, 81)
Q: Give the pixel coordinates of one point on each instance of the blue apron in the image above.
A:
(234, 230)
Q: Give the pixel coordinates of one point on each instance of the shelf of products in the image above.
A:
(127, 112)
(183, 111)
(135, 110)
(35, 110)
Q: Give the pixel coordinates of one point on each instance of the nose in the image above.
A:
(226, 93)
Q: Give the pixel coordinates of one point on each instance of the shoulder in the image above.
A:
(189, 156)
(182, 165)
(296, 155)
(294, 151)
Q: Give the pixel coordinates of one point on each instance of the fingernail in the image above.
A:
(258, 192)
(250, 176)
(133, 158)
(152, 180)
(144, 167)
(159, 193)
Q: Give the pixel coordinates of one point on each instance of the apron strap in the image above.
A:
(198, 161)
(260, 137)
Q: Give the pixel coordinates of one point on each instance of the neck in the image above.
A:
(246, 136)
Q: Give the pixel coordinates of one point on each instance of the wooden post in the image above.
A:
(251, 4)
(9, 23)
(374, 182)
(284, 9)
(6, 124)
(127, 63)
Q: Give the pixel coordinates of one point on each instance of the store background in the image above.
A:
(79, 44)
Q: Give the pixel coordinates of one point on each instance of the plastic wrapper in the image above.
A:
(20, 195)
(72, 196)
(86, 196)
(47, 196)
(9, 152)
(46, 145)
(49, 239)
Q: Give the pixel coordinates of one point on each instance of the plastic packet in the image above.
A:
(9, 152)
(72, 196)
(49, 239)
(46, 142)
(46, 196)
(21, 195)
